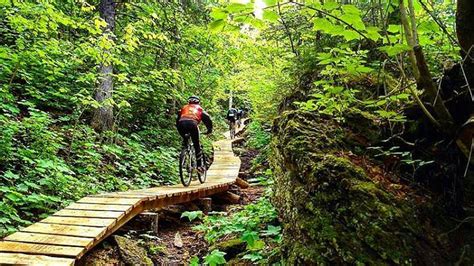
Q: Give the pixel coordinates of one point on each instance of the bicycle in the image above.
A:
(188, 163)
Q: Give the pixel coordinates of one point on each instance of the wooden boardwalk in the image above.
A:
(64, 237)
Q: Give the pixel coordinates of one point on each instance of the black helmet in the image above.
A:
(193, 99)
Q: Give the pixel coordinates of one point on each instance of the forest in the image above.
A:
(358, 144)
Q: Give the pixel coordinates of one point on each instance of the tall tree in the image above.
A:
(465, 33)
(103, 117)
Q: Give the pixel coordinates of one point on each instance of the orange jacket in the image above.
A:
(191, 112)
(194, 112)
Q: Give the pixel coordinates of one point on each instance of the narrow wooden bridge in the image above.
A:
(64, 237)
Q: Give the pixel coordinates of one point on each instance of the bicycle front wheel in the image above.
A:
(185, 167)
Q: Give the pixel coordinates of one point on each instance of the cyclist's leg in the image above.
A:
(232, 124)
(194, 131)
(183, 130)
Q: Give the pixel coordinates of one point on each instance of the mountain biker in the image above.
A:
(232, 116)
(188, 121)
(240, 115)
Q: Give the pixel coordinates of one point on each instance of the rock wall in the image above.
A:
(332, 211)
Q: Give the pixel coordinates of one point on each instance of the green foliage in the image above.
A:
(49, 58)
(258, 138)
(248, 220)
(157, 249)
(216, 257)
(194, 261)
(254, 225)
(193, 215)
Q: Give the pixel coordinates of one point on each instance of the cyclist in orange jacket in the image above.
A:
(188, 121)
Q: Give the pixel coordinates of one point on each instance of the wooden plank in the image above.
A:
(140, 193)
(99, 207)
(135, 211)
(67, 230)
(98, 222)
(89, 213)
(123, 196)
(130, 195)
(100, 200)
(24, 259)
(40, 249)
(50, 239)
(170, 189)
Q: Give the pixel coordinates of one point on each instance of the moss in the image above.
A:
(231, 247)
(331, 210)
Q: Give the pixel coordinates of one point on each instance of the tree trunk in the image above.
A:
(421, 70)
(465, 34)
(465, 24)
(426, 82)
(103, 117)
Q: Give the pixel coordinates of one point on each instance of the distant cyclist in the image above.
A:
(187, 123)
(232, 115)
(240, 115)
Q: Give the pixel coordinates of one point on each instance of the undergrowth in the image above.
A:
(47, 165)
(256, 225)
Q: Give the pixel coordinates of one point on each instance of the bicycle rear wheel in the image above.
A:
(185, 166)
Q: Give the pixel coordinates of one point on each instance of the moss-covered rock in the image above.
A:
(232, 247)
(331, 210)
(131, 252)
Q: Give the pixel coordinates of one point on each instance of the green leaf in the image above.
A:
(217, 25)
(254, 257)
(270, 15)
(270, 2)
(330, 5)
(250, 237)
(364, 69)
(215, 258)
(350, 35)
(322, 24)
(256, 23)
(373, 33)
(335, 89)
(236, 7)
(393, 28)
(393, 50)
(272, 230)
(194, 261)
(10, 175)
(354, 20)
(192, 215)
(351, 9)
(218, 13)
(14, 196)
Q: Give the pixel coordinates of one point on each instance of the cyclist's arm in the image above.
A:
(206, 119)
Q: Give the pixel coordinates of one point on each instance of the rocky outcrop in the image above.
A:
(332, 211)
(131, 253)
